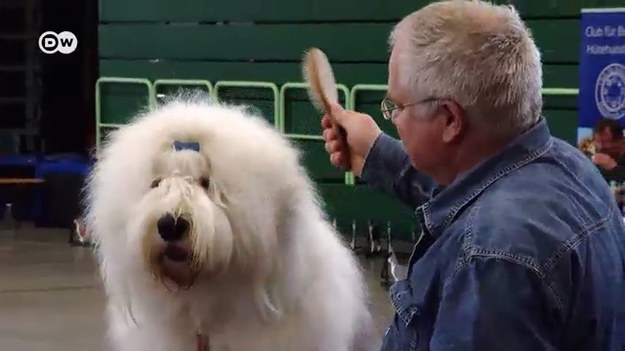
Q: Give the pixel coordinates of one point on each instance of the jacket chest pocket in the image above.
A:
(403, 333)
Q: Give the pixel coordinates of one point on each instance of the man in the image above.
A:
(523, 247)
(610, 145)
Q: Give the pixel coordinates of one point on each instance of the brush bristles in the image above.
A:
(312, 91)
(318, 74)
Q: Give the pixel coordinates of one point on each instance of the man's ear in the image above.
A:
(455, 121)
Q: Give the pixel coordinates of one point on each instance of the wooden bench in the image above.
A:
(20, 181)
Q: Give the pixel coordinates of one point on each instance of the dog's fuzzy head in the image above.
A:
(192, 190)
(181, 223)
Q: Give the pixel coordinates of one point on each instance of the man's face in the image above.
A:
(605, 143)
(604, 139)
(420, 132)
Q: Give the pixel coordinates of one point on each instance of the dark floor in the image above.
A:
(51, 298)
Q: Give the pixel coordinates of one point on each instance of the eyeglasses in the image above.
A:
(387, 106)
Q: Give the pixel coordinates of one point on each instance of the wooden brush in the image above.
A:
(320, 78)
(322, 89)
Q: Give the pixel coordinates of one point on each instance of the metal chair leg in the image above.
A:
(8, 222)
(353, 241)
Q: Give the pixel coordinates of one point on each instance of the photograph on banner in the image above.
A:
(601, 69)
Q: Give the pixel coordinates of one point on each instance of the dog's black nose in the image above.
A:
(171, 228)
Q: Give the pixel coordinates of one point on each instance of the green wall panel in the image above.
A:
(563, 124)
(360, 204)
(557, 8)
(317, 162)
(120, 102)
(277, 72)
(560, 75)
(245, 10)
(555, 75)
(300, 116)
(557, 39)
(381, 207)
(317, 10)
(259, 100)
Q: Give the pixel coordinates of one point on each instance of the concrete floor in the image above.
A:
(51, 298)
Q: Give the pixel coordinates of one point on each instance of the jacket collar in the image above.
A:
(446, 202)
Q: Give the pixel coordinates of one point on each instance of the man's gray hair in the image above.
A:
(480, 55)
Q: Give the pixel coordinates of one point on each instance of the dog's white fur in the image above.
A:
(273, 273)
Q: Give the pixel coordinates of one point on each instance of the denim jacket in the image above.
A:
(526, 251)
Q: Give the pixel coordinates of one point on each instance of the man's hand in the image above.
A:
(604, 161)
(361, 131)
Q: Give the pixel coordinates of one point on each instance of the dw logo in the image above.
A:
(64, 42)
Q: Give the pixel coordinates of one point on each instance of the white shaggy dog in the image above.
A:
(207, 225)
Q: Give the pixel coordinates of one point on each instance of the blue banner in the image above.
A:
(602, 68)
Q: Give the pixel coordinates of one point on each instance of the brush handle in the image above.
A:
(342, 133)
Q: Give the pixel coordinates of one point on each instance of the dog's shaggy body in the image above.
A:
(265, 272)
